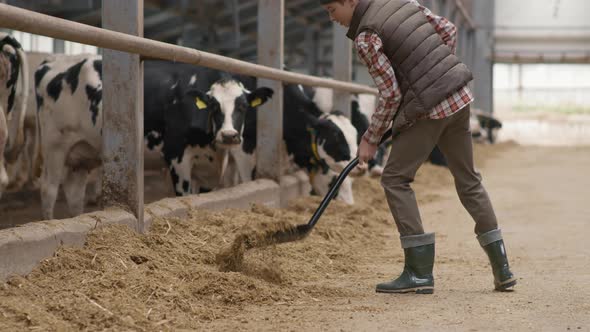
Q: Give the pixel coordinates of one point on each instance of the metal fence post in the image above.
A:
(123, 113)
(483, 13)
(271, 20)
(342, 66)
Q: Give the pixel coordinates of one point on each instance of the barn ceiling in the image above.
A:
(226, 27)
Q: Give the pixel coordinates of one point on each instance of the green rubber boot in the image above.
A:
(493, 244)
(417, 274)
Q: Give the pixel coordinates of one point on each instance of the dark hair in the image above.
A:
(327, 2)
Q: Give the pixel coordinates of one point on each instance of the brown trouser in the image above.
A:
(411, 148)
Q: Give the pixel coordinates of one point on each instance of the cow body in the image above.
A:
(69, 101)
(173, 124)
(14, 85)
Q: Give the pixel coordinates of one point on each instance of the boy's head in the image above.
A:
(340, 10)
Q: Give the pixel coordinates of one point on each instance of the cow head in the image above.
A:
(228, 101)
(334, 139)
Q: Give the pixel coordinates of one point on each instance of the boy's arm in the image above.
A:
(445, 29)
(370, 49)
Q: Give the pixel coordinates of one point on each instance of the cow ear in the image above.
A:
(8, 39)
(260, 96)
(202, 100)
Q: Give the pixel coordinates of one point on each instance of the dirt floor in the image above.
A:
(169, 279)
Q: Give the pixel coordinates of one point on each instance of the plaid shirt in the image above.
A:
(370, 49)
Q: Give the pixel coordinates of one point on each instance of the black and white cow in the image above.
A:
(69, 107)
(320, 144)
(14, 90)
(362, 107)
(197, 114)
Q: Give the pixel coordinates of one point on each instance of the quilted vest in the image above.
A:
(426, 69)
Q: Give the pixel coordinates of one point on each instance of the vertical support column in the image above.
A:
(341, 66)
(442, 8)
(451, 11)
(271, 21)
(59, 46)
(427, 3)
(483, 14)
(470, 40)
(520, 86)
(471, 53)
(311, 49)
(435, 7)
(123, 113)
(460, 25)
(463, 44)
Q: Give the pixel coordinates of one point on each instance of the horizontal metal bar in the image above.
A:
(507, 57)
(541, 27)
(36, 23)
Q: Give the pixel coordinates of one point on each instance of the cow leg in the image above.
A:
(232, 173)
(230, 176)
(94, 186)
(180, 172)
(245, 166)
(3, 177)
(74, 186)
(20, 171)
(25, 175)
(53, 169)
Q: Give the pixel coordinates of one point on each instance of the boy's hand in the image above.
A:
(366, 151)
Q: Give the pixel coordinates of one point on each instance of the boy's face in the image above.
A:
(341, 11)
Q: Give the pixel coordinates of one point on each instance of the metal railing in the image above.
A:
(28, 21)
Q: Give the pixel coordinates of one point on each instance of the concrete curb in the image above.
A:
(22, 248)
(239, 197)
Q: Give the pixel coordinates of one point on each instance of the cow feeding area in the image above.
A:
(170, 277)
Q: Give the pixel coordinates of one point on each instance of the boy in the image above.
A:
(423, 95)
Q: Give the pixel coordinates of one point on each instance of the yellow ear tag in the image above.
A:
(200, 103)
(256, 102)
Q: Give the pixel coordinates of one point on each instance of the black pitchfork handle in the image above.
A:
(324, 204)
